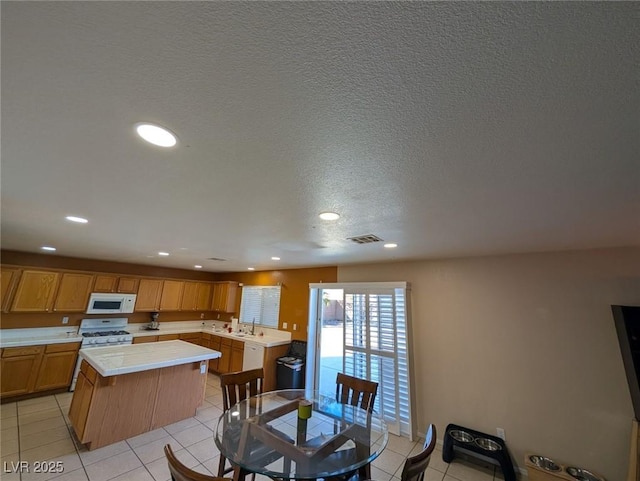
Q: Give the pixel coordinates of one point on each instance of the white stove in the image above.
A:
(101, 333)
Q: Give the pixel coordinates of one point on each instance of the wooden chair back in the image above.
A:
(238, 386)
(179, 472)
(415, 466)
(355, 391)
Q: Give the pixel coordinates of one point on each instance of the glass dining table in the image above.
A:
(299, 434)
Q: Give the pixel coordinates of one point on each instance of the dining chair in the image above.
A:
(179, 472)
(355, 391)
(415, 466)
(236, 387)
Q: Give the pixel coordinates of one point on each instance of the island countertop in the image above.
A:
(125, 359)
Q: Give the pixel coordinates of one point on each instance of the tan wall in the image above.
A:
(526, 343)
(294, 295)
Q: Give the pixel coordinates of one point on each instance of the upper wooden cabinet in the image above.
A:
(149, 292)
(128, 285)
(113, 283)
(171, 295)
(9, 277)
(196, 296)
(73, 292)
(105, 283)
(224, 296)
(35, 291)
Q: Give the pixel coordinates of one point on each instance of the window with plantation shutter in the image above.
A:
(260, 303)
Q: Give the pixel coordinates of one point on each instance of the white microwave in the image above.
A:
(101, 303)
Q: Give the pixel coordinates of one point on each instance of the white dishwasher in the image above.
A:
(253, 357)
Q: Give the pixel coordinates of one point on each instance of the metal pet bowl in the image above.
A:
(462, 436)
(544, 463)
(488, 444)
(583, 474)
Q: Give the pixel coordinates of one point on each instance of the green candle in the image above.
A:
(304, 409)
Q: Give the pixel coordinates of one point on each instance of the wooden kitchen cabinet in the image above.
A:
(192, 337)
(81, 402)
(149, 292)
(143, 339)
(9, 277)
(224, 362)
(214, 343)
(196, 296)
(168, 337)
(105, 283)
(171, 295)
(35, 291)
(269, 365)
(128, 285)
(237, 353)
(203, 299)
(56, 368)
(113, 283)
(19, 367)
(73, 293)
(224, 296)
(189, 296)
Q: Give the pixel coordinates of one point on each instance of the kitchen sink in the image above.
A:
(243, 334)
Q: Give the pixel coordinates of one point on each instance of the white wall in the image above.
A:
(526, 343)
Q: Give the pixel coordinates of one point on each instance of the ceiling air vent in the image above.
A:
(365, 239)
(216, 259)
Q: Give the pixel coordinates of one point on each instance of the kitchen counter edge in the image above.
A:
(266, 341)
(171, 353)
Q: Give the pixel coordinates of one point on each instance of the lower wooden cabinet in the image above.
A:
(142, 339)
(214, 343)
(81, 401)
(37, 368)
(168, 337)
(192, 337)
(19, 366)
(58, 363)
(224, 364)
(237, 354)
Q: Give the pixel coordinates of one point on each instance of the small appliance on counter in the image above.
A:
(154, 325)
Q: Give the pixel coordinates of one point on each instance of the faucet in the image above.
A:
(253, 327)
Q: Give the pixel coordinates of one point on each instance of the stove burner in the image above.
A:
(105, 333)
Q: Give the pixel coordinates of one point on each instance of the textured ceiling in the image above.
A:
(451, 129)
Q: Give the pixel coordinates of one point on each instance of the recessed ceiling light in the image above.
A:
(329, 216)
(391, 245)
(48, 248)
(79, 220)
(251, 268)
(275, 258)
(163, 253)
(197, 267)
(156, 135)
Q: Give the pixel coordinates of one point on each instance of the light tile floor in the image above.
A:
(38, 430)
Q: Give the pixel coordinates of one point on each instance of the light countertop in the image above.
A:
(38, 336)
(115, 360)
(269, 339)
(56, 335)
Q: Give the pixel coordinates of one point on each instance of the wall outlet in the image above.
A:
(65, 320)
(202, 315)
(295, 327)
(500, 433)
(284, 325)
(218, 316)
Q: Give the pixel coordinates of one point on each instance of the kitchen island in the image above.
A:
(123, 391)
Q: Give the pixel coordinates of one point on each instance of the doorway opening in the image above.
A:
(362, 330)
